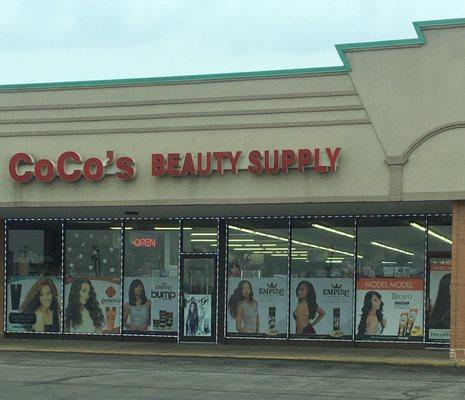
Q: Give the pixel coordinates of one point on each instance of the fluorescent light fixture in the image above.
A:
(213, 245)
(203, 234)
(333, 261)
(269, 244)
(332, 230)
(204, 240)
(430, 232)
(168, 228)
(241, 240)
(248, 249)
(384, 246)
(299, 258)
(234, 245)
(262, 252)
(285, 239)
(257, 233)
(388, 262)
(329, 249)
(278, 255)
(251, 244)
(115, 228)
(335, 258)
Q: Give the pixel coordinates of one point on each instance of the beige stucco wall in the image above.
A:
(378, 112)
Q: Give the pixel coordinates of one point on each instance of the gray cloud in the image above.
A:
(78, 40)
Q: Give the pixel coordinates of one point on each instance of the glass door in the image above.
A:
(198, 298)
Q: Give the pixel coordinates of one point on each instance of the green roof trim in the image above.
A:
(341, 49)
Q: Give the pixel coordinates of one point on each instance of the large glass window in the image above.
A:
(34, 276)
(390, 278)
(439, 260)
(258, 277)
(322, 269)
(93, 277)
(151, 272)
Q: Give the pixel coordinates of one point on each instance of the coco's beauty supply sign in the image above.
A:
(69, 166)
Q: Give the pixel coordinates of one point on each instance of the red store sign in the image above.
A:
(70, 166)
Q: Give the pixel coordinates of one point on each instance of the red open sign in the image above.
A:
(144, 242)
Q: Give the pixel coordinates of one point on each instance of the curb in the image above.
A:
(318, 358)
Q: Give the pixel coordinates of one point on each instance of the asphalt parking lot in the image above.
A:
(88, 376)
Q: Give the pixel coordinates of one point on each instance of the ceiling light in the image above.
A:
(384, 246)
(430, 232)
(284, 239)
(332, 230)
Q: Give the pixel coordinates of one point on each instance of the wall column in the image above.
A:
(457, 318)
(2, 274)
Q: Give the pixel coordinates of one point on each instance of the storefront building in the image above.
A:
(322, 205)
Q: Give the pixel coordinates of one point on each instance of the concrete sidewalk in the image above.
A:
(434, 357)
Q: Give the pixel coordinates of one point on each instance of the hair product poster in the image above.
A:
(322, 307)
(389, 309)
(439, 295)
(257, 306)
(92, 305)
(34, 304)
(150, 305)
(197, 315)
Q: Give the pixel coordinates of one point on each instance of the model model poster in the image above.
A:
(101, 298)
(34, 304)
(197, 315)
(439, 295)
(150, 305)
(322, 307)
(389, 309)
(257, 306)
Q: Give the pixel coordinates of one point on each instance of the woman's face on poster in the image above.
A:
(302, 291)
(84, 293)
(375, 302)
(246, 289)
(138, 290)
(192, 307)
(45, 296)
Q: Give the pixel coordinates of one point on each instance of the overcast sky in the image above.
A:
(70, 40)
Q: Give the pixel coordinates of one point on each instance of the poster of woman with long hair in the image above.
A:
(34, 304)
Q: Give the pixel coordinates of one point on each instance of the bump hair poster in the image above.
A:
(150, 305)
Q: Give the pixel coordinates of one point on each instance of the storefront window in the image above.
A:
(34, 276)
(200, 236)
(322, 269)
(258, 277)
(92, 277)
(151, 272)
(439, 259)
(390, 278)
